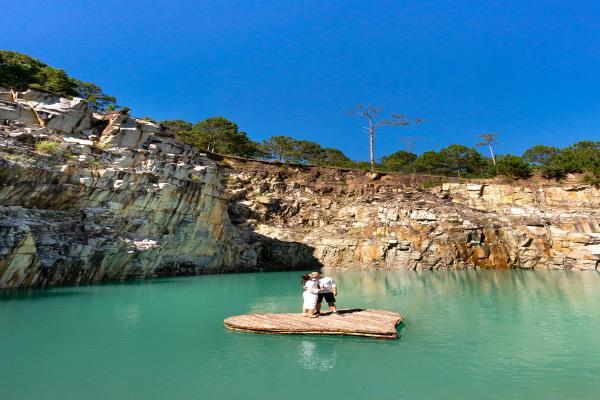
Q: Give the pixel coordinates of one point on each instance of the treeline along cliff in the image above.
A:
(88, 196)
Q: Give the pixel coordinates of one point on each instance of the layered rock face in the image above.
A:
(87, 197)
(357, 219)
(115, 198)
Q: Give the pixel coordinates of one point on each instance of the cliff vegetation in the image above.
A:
(219, 135)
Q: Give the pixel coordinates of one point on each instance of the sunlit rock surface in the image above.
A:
(114, 197)
(412, 222)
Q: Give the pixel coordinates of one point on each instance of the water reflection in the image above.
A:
(273, 304)
(36, 294)
(316, 355)
(567, 286)
(128, 315)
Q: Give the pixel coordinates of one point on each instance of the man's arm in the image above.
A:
(333, 288)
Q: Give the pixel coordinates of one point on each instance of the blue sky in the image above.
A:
(529, 70)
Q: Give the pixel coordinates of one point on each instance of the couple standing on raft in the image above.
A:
(317, 287)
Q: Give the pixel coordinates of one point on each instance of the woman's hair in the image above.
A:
(305, 278)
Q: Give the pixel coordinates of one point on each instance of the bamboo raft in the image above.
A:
(354, 322)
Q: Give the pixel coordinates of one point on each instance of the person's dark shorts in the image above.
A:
(329, 297)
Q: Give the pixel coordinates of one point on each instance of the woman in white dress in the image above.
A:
(310, 295)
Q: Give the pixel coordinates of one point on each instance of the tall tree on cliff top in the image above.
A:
(462, 160)
(288, 149)
(177, 125)
(371, 113)
(336, 158)
(488, 140)
(282, 148)
(400, 161)
(219, 135)
(409, 142)
(540, 154)
(513, 166)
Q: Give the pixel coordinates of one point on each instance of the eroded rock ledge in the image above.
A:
(116, 198)
(353, 219)
(119, 198)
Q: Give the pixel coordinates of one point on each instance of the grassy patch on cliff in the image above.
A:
(49, 147)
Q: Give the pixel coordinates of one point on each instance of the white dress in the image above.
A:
(310, 295)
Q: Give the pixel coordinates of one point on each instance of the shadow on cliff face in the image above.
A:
(275, 254)
(272, 254)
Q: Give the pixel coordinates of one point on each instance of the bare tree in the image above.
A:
(371, 113)
(488, 140)
(409, 142)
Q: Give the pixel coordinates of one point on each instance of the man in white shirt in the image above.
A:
(328, 291)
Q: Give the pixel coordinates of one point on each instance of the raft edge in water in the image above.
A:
(353, 322)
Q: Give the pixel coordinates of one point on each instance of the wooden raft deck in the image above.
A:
(356, 322)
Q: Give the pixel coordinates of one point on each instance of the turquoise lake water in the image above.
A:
(468, 335)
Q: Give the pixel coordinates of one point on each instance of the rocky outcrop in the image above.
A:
(115, 198)
(45, 110)
(355, 219)
(87, 197)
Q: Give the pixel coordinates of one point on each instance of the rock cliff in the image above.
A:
(114, 198)
(357, 219)
(87, 197)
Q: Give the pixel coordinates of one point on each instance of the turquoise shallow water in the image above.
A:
(469, 335)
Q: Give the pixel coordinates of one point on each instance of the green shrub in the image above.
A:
(5, 174)
(430, 184)
(554, 172)
(513, 166)
(583, 156)
(592, 180)
(400, 161)
(49, 147)
(94, 165)
(217, 135)
(540, 154)
(100, 146)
